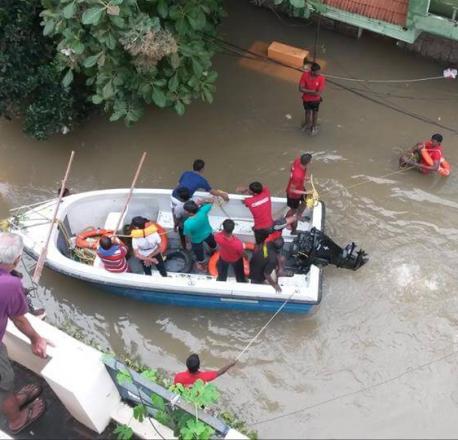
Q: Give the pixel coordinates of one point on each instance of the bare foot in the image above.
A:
(314, 131)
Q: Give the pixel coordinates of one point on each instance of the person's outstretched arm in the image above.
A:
(225, 368)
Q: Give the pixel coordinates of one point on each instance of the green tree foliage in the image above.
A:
(136, 52)
(30, 84)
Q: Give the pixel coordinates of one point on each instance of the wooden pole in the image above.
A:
(130, 192)
(41, 260)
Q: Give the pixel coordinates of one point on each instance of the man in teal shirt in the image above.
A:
(197, 227)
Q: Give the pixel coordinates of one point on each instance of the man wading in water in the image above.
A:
(311, 85)
(415, 159)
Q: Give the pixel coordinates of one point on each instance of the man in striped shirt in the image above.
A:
(113, 253)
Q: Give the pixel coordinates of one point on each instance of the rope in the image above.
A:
(254, 55)
(353, 393)
(385, 81)
(264, 327)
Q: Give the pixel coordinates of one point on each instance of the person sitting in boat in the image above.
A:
(267, 263)
(197, 227)
(194, 180)
(260, 206)
(193, 373)
(427, 157)
(231, 253)
(112, 253)
(178, 212)
(148, 248)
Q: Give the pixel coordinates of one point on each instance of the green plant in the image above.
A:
(136, 52)
(123, 432)
(30, 83)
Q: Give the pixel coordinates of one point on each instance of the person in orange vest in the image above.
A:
(415, 158)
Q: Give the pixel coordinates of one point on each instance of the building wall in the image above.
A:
(440, 49)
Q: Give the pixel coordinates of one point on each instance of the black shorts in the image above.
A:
(293, 203)
(313, 106)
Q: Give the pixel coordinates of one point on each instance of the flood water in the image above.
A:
(398, 312)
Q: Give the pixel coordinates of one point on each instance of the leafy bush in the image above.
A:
(136, 52)
(30, 84)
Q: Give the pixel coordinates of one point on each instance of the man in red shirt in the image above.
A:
(433, 147)
(295, 190)
(260, 206)
(187, 378)
(231, 253)
(311, 85)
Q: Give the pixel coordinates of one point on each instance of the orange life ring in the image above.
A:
(213, 261)
(164, 237)
(89, 239)
(426, 157)
(444, 166)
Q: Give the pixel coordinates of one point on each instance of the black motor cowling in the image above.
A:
(315, 247)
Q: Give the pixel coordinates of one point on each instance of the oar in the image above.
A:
(42, 257)
(131, 191)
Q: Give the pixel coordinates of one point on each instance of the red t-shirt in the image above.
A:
(296, 179)
(310, 82)
(187, 379)
(434, 151)
(260, 206)
(230, 248)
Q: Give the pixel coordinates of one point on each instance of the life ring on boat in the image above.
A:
(89, 239)
(151, 228)
(444, 166)
(213, 261)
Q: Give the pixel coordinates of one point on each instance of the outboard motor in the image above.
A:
(315, 247)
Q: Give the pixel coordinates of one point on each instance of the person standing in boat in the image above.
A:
(295, 190)
(197, 227)
(148, 247)
(231, 253)
(194, 180)
(260, 206)
(23, 407)
(193, 373)
(311, 85)
(112, 253)
(178, 212)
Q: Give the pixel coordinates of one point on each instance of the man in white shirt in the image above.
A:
(148, 248)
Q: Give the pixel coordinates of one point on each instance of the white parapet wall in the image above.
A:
(77, 375)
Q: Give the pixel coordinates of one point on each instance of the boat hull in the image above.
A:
(208, 302)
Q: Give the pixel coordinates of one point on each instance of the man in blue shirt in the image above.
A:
(193, 180)
(197, 227)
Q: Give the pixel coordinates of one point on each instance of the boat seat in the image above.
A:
(112, 220)
(243, 228)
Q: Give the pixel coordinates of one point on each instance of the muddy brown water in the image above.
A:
(398, 312)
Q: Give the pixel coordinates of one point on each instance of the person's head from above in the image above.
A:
(306, 159)
(105, 243)
(183, 193)
(11, 247)
(139, 222)
(228, 226)
(193, 363)
(191, 207)
(278, 243)
(255, 188)
(198, 165)
(65, 193)
(436, 139)
(315, 69)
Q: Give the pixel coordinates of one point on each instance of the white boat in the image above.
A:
(102, 209)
